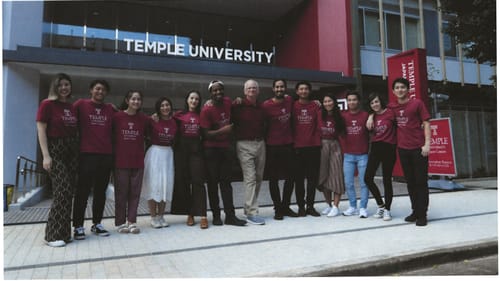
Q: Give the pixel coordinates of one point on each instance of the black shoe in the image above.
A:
(216, 221)
(234, 220)
(79, 233)
(278, 215)
(411, 218)
(289, 213)
(302, 212)
(421, 221)
(312, 212)
(99, 230)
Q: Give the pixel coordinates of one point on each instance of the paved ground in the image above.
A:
(479, 266)
(293, 247)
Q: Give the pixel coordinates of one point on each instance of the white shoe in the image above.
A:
(333, 212)
(379, 213)
(56, 243)
(326, 210)
(155, 223)
(387, 215)
(162, 221)
(351, 211)
(362, 213)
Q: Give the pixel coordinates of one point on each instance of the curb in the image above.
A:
(387, 266)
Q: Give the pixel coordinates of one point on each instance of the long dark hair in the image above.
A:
(129, 94)
(373, 96)
(158, 106)
(337, 117)
(186, 105)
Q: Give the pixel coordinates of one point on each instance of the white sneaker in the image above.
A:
(333, 212)
(362, 213)
(351, 211)
(379, 213)
(155, 223)
(162, 221)
(56, 243)
(387, 215)
(326, 210)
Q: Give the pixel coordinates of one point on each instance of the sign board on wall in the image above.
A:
(442, 153)
(411, 65)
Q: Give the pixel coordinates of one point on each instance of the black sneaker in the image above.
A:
(421, 221)
(302, 212)
(278, 215)
(411, 218)
(216, 221)
(312, 212)
(99, 230)
(234, 220)
(79, 233)
(289, 213)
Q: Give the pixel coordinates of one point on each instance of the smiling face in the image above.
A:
(400, 91)
(303, 92)
(352, 102)
(375, 105)
(98, 93)
(193, 100)
(328, 103)
(279, 89)
(165, 109)
(63, 89)
(251, 90)
(134, 102)
(217, 93)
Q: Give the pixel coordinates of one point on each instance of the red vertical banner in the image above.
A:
(411, 65)
(442, 153)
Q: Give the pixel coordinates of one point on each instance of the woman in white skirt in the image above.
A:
(331, 175)
(158, 180)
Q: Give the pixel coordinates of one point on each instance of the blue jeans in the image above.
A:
(351, 161)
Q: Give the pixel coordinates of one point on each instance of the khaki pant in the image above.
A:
(252, 156)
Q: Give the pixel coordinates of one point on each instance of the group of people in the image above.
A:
(286, 139)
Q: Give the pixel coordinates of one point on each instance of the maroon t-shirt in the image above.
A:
(248, 120)
(328, 128)
(409, 118)
(189, 124)
(94, 121)
(128, 133)
(355, 140)
(384, 129)
(278, 117)
(60, 117)
(306, 124)
(163, 132)
(215, 117)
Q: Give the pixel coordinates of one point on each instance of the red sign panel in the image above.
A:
(442, 153)
(411, 65)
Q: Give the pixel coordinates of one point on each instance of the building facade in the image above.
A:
(166, 48)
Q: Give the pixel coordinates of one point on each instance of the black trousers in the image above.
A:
(190, 195)
(279, 165)
(415, 168)
(307, 161)
(219, 163)
(385, 153)
(93, 172)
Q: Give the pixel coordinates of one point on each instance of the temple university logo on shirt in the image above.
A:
(283, 110)
(67, 112)
(328, 123)
(192, 119)
(98, 111)
(166, 130)
(223, 115)
(354, 122)
(130, 134)
(68, 118)
(304, 112)
(130, 125)
(378, 122)
(401, 112)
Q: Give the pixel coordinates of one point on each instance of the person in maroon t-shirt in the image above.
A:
(190, 195)
(355, 147)
(249, 127)
(307, 144)
(331, 175)
(382, 150)
(96, 157)
(129, 131)
(279, 148)
(158, 179)
(413, 141)
(56, 123)
(216, 129)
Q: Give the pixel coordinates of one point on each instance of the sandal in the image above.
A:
(190, 221)
(132, 228)
(122, 228)
(204, 223)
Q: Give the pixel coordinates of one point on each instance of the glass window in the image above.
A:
(393, 34)
(372, 29)
(449, 43)
(412, 33)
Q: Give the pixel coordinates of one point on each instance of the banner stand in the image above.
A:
(441, 183)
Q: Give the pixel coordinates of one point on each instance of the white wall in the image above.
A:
(371, 65)
(22, 23)
(20, 104)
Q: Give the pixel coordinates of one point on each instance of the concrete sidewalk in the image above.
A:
(310, 246)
